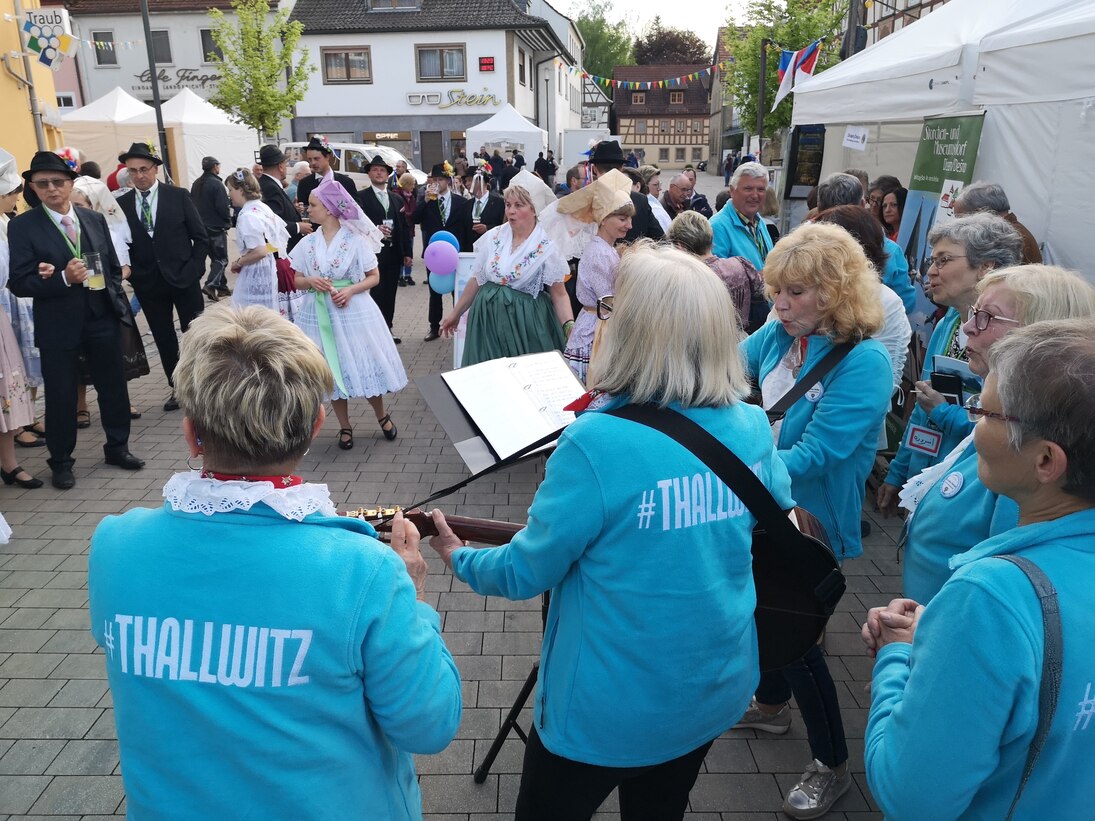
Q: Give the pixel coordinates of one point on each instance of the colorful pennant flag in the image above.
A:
(793, 66)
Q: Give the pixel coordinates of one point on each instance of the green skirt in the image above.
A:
(505, 322)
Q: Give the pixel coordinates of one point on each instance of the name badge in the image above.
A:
(952, 484)
(815, 393)
(924, 440)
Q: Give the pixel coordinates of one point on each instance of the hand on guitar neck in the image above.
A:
(405, 541)
(449, 533)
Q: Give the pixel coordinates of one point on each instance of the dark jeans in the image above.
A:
(159, 300)
(554, 788)
(218, 259)
(812, 685)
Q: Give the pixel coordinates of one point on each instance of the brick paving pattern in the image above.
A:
(58, 753)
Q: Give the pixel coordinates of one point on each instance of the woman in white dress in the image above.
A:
(259, 232)
(338, 265)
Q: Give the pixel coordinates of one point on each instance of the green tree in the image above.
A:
(659, 45)
(792, 25)
(260, 77)
(608, 44)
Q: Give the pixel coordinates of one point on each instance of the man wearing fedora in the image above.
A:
(48, 246)
(167, 254)
(607, 155)
(384, 208)
(437, 211)
(319, 154)
(488, 210)
(272, 184)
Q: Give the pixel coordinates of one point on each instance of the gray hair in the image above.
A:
(692, 232)
(1045, 377)
(986, 238)
(748, 169)
(1043, 292)
(839, 189)
(983, 196)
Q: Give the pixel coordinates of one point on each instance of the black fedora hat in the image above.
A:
(48, 161)
(607, 152)
(376, 160)
(439, 171)
(316, 144)
(140, 151)
(472, 170)
(270, 155)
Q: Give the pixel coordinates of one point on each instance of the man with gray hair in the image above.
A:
(678, 196)
(845, 189)
(990, 197)
(738, 230)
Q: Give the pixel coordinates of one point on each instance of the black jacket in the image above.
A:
(211, 199)
(176, 250)
(392, 253)
(457, 221)
(275, 197)
(494, 214)
(307, 185)
(644, 223)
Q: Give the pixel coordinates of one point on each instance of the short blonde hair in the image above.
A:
(252, 384)
(671, 337)
(691, 231)
(1044, 292)
(827, 257)
(770, 208)
(407, 181)
(519, 193)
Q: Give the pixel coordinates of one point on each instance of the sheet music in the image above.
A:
(516, 400)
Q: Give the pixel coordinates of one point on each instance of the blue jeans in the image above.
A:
(812, 685)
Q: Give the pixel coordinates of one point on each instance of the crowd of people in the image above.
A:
(789, 350)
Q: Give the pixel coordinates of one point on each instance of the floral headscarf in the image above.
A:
(340, 203)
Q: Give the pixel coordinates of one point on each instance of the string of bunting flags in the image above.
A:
(111, 45)
(642, 85)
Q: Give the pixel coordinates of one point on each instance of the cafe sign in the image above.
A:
(181, 78)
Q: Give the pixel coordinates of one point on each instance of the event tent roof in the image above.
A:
(114, 107)
(508, 127)
(186, 107)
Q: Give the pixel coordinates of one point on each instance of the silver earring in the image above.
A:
(188, 458)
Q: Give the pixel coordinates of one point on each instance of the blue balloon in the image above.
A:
(445, 236)
(443, 283)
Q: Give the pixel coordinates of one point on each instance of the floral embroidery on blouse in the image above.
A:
(527, 260)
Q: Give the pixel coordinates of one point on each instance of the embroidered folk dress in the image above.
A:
(20, 311)
(257, 283)
(354, 339)
(511, 314)
(16, 409)
(596, 278)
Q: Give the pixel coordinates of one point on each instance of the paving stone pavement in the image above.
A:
(58, 753)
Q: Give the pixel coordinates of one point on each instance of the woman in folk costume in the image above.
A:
(259, 232)
(338, 265)
(517, 299)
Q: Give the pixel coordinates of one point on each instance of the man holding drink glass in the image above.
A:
(384, 208)
(62, 256)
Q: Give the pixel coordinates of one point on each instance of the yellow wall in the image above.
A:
(17, 135)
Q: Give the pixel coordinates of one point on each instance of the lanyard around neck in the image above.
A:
(75, 249)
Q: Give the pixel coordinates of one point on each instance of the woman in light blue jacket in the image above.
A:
(650, 648)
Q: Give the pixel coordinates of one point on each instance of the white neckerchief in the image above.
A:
(190, 493)
(273, 226)
(912, 494)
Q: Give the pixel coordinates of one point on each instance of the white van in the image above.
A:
(351, 158)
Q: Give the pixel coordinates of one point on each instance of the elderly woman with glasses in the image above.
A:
(963, 687)
(286, 656)
(950, 510)
(963, 251)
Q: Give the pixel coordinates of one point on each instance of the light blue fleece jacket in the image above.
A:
(896, 275)
(949, 420)
(828, 437)
(732, 238)
(650, 648)
(953, 714)
(956, 513)
(265, 668)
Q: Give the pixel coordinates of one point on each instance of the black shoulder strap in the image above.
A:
(812, 377)
(727, 466)
(1052, 664)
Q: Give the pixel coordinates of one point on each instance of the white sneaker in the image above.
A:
(817, 791)
(756, 719)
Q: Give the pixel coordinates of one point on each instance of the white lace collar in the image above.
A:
(190, 493)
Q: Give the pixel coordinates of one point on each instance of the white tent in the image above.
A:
(197, 128)
(507, 129)
(1027, 63)
(101, 129)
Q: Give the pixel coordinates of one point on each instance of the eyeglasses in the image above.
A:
(981, 319)
(943, 261)
(54, 182)
(604, 307)
(682, 189)
(975, 411)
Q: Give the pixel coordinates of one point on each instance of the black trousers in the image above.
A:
(218, 259)
(385, 291)
(101, 344)
(158, 299)
(554, 788)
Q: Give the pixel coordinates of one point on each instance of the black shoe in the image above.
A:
(223, 291)
(402, 282)
(63, 478)
(124, 460)
(411, 281)
(13, 479)
(432, 335)
(211, 293)
(172, 404)
(389, 433)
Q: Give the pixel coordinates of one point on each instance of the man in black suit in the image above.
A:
(48, 244)
(607, 155)
(167, 254)
(488, 210)
(211, 199)
(319, 154)
(272, 183)
(440, 210)
(384, 208)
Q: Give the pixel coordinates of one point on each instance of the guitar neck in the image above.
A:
(476, 531)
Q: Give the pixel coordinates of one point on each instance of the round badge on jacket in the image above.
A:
(952, 484)
(815, 393)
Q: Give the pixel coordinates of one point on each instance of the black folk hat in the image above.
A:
(607, 152)
(140, 151)
(48, 161)
(316, 144)
(439, 171)
(375, 161)
(472, 170)
(270, 155)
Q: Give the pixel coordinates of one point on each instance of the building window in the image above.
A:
(209, 45)
(663, 155)
(66, 101)
(103, 43)
(161, 47)
(680, 124)
(640, 126)
(383, 5)
(638, 98)
(697, 154)
(346, 66)
(663, 127)
(680, 155)
(697, 126)
(439, 64)
(521, 66)
(676, 98)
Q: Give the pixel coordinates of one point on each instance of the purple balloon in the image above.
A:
(441, 258)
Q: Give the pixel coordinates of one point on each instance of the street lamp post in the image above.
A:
(155, 88)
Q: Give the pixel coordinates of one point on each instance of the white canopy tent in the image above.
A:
(1027, 63)
(101, 130)
(508, 129)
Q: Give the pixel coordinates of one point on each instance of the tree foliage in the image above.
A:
(260, 77)
(608, 44)
(791, 25)
(659, 45)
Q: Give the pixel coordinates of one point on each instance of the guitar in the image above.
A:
(796, 576)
